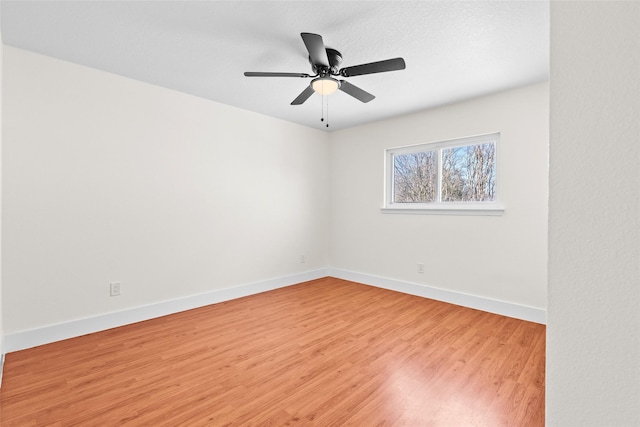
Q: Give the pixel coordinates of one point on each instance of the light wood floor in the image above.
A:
(326, 352)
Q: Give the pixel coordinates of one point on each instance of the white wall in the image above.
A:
(109, 179)
(593, 332)
(503, 257)
(1, 311)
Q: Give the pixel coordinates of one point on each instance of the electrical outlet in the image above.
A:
(114, 289)
(303, 259)
(421, 268)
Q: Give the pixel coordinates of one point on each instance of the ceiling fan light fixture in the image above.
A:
(325, 63)
(325, 85)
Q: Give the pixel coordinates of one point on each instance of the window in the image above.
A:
(455, 176)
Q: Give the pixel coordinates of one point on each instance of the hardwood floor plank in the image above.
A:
(325, 352)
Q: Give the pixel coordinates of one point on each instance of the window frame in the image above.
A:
(494, 207)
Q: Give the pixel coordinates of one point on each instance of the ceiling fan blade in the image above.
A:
(303, 96)
(316, 49)
(356, 92)
(259, 74)
(374, 67)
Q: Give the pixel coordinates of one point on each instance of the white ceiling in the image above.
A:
(454, 50)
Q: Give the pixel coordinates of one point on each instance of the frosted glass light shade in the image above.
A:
(325, 86)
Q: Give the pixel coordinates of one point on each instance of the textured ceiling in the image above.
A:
(454, 50)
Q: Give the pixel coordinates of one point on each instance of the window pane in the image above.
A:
(414, 177)
(469, 173)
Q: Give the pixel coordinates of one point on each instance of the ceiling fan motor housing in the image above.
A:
(335, 59)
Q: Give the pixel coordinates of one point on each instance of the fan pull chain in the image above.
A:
(322, 104)
(327, 112)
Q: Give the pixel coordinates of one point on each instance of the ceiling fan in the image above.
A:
(325, 63)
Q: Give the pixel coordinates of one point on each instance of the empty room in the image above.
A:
(320, 213)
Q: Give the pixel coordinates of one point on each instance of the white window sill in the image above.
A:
(490, 209)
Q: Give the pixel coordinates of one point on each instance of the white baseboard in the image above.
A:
(1, 367)
(48, 334)
(531, 314)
